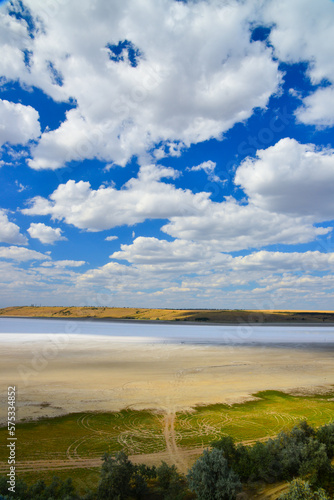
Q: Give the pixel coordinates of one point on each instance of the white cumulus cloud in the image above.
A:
(152, 251)
(209, 168)
(45, 234)
(318, 108)
(10, 232)
(64, 263)
(186, 72)
(303, 32)
(18, 124)
(141, 198)
(290, 178)
(21, 254)
(190, 216)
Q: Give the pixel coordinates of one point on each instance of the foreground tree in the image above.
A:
(170, 484)
(300, 490)
(211, 478)
(325, 435)
(115, 477)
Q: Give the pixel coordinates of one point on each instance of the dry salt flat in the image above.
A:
(62, 366)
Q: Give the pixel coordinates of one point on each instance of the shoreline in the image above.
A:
(177, 322)
(302, 392)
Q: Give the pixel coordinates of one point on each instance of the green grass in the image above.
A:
(87, 435)
(266, 416)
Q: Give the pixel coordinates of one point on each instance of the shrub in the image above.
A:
(300, 490)
(211, 478)
(115, 477)
(325, 435)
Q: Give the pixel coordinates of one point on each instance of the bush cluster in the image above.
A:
(303, 453)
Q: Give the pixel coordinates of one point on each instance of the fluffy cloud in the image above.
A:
(141, 198)
(45, 234)
(282, 262)
(170, 72)
(209, 168)
(21, 254)
(237, 227)
(32, 282)
(303, 32)
(290, 178)
(10, 232)
(113, 277)
(13, 40)
(111, 238)
(289, 188)
(262, 279)
(318, 108)
(191, 216)
(152, 252)
(198, 78)
(64, 263)
(18, 124)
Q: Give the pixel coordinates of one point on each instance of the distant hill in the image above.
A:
(230, 316)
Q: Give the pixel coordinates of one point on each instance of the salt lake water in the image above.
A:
(16, 330)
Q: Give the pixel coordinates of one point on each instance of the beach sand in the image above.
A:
(58, 375)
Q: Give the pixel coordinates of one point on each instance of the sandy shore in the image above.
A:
(55, 375)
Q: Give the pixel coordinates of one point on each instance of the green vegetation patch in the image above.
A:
(266, 416)
(83, 479)
(87, 435)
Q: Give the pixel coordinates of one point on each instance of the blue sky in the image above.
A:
(167, 154)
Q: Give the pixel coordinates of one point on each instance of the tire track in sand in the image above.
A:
(175, 454)
(85, 463)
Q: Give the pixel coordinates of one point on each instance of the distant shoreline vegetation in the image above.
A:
(207, 316)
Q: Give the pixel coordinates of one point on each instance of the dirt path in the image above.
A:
(85, 463)
(249, 442)
(176, 455)
(34, 465)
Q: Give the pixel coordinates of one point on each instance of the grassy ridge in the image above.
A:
(200, 315)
